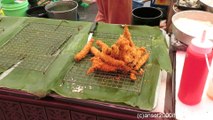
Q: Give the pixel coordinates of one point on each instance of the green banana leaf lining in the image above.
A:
(69, 79)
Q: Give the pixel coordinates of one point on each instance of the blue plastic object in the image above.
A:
(136, 3)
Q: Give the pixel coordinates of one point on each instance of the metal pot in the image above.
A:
(207, 4)
(146, 16)
(37, 11)
(180, 31)
(62, 10)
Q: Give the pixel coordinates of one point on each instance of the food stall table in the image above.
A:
(16, 104)
(203, 110)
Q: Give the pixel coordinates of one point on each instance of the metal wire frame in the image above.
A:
(36, 45)
(77, 74)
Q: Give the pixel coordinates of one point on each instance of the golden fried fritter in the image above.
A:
(106, 58)
(142, 60)
(115, 51)
(98, 64)
(122, 56)
(95, 51)
(132, 76)
(137, 53)
(104, 47)
(128, 36)
(82, 54)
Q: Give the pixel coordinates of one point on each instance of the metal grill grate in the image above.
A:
(35, 41)
(38, 63)
(117, 80)
(8, 60)
(77, 72)
(36, 45)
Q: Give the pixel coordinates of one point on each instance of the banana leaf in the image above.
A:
(32, 80)
(69, 79)
(141, 94)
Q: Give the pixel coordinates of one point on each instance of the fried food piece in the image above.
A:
(104, 47)
(107, 59)
(82, 54)
(95, 51)
(141, 71)
(122, 41)
(142, 60)
(127, 52)
(128, 58)
(142, 49)
(127, 69)
(133, 76)
(137, 53)
(114, 51)
(128, 36)
(129, 55)
(122, 56)
(95, 64)
(98, 64)
(123, 45)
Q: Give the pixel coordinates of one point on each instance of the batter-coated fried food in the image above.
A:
(140, 71)
(106, 58)
(95, 51)
(132, 76)
(114, 51)
(124, 48)
(137, 56)
(110, 60)
(98, 64)
(104, 47)
(82, 54)
(123, 56)
(142, 60)
(127, 69)
(128, 36)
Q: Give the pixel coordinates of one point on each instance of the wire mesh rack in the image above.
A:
(33, 41)
(77, 73)
(36, 46)
(8, 60)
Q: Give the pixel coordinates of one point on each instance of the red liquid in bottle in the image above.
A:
(194, 77)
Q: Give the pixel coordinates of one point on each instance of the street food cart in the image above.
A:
(40, 79)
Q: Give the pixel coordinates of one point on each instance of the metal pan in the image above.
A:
(188, 5)
(180, 31)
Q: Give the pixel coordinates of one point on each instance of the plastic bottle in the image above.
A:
(195, 71)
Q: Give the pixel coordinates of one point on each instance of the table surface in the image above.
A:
(162, 88)
(162, 93)
(201, 111)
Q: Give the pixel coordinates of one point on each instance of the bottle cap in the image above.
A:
(202, 47)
